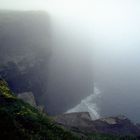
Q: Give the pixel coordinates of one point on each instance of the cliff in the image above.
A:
(34, 59)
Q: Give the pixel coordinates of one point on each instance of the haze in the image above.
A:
(107, 34)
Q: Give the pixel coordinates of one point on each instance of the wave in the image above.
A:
(89, 104)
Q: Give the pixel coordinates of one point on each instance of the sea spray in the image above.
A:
(89, 104)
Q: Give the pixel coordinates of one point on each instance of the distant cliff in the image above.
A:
(25, 51)
(33, 60)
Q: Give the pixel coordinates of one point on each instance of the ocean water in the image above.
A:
(89, 104)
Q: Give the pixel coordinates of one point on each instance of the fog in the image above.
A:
(94, 41)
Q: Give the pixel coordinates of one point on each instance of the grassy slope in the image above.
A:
(20, 121)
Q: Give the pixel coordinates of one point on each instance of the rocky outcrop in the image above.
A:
(81, 122)
(119, 125)
(28, 97)
(73, 119)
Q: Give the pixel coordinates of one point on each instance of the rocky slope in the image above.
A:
(81, 122)
(28, 97)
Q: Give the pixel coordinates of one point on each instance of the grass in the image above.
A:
(19, 120)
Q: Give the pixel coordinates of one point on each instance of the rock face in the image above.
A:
(34, 58)
(28, 97)
(25, 51)
(82, 122)
(73, 119)
(116, 125)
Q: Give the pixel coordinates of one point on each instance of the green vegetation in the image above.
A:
(20, 121)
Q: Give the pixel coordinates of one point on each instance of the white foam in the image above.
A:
(89, 104)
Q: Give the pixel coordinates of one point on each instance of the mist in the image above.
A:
(93, 41)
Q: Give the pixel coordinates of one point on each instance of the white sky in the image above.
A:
(110, 21)
(103, 10)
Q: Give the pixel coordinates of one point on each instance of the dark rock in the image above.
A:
(73, 119)
(28, 97)
(81, 122)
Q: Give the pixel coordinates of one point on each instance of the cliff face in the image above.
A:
(24, 37)
(28, 97)
(34, 60)
(25, 51)
(73, 119)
